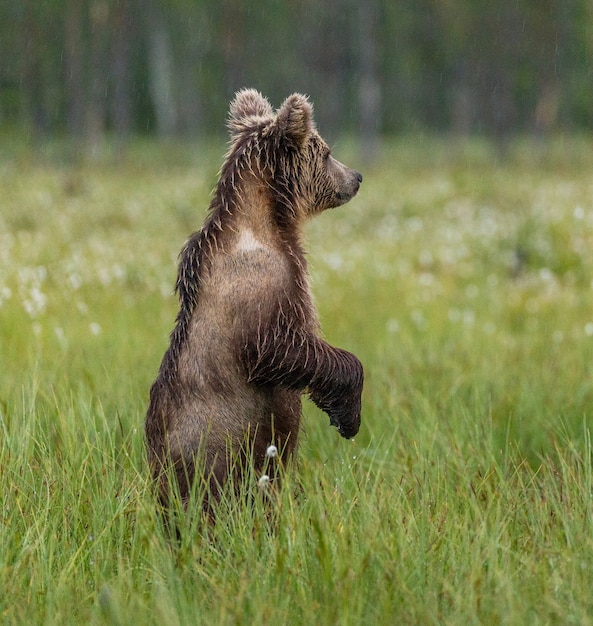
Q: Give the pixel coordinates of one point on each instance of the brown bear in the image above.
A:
(246, 344)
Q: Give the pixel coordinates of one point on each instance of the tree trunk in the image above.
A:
(73, 68)
(162, 71)
(369, 93)
(95, 118)
(122, 98)
(233, 44)
(32, 74)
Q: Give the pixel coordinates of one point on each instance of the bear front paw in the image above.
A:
(344, 412)
(347, 425)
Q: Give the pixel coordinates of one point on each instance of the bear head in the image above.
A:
(284, 150)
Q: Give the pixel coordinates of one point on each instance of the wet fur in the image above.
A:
(246, 342)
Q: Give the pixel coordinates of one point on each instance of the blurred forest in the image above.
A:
(88, 68)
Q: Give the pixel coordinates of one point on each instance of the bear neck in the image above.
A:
(250, 203)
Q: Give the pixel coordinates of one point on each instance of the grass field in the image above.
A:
(463, 281)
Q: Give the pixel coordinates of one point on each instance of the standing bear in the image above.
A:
(246, 343)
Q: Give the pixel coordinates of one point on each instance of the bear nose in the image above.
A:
(359, 177)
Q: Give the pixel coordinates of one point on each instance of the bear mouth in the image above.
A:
(342, 197)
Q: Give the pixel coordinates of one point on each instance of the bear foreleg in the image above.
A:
(333, 377)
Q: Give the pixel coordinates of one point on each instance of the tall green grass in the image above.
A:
(464, 283)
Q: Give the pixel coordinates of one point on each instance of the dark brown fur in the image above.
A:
(246, 342)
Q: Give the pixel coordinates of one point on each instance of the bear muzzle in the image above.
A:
(350, 187)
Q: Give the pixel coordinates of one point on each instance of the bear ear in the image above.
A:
(295, 118)
(247, 103)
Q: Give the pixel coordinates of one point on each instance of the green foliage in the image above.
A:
(463, 282)
(169, 67)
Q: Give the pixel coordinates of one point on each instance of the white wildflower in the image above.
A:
(392, 326)
(263, 482)
(74, 280)
(35, 303)
(61, 337)
(5, 294)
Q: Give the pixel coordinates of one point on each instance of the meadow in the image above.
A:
(462, 279)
